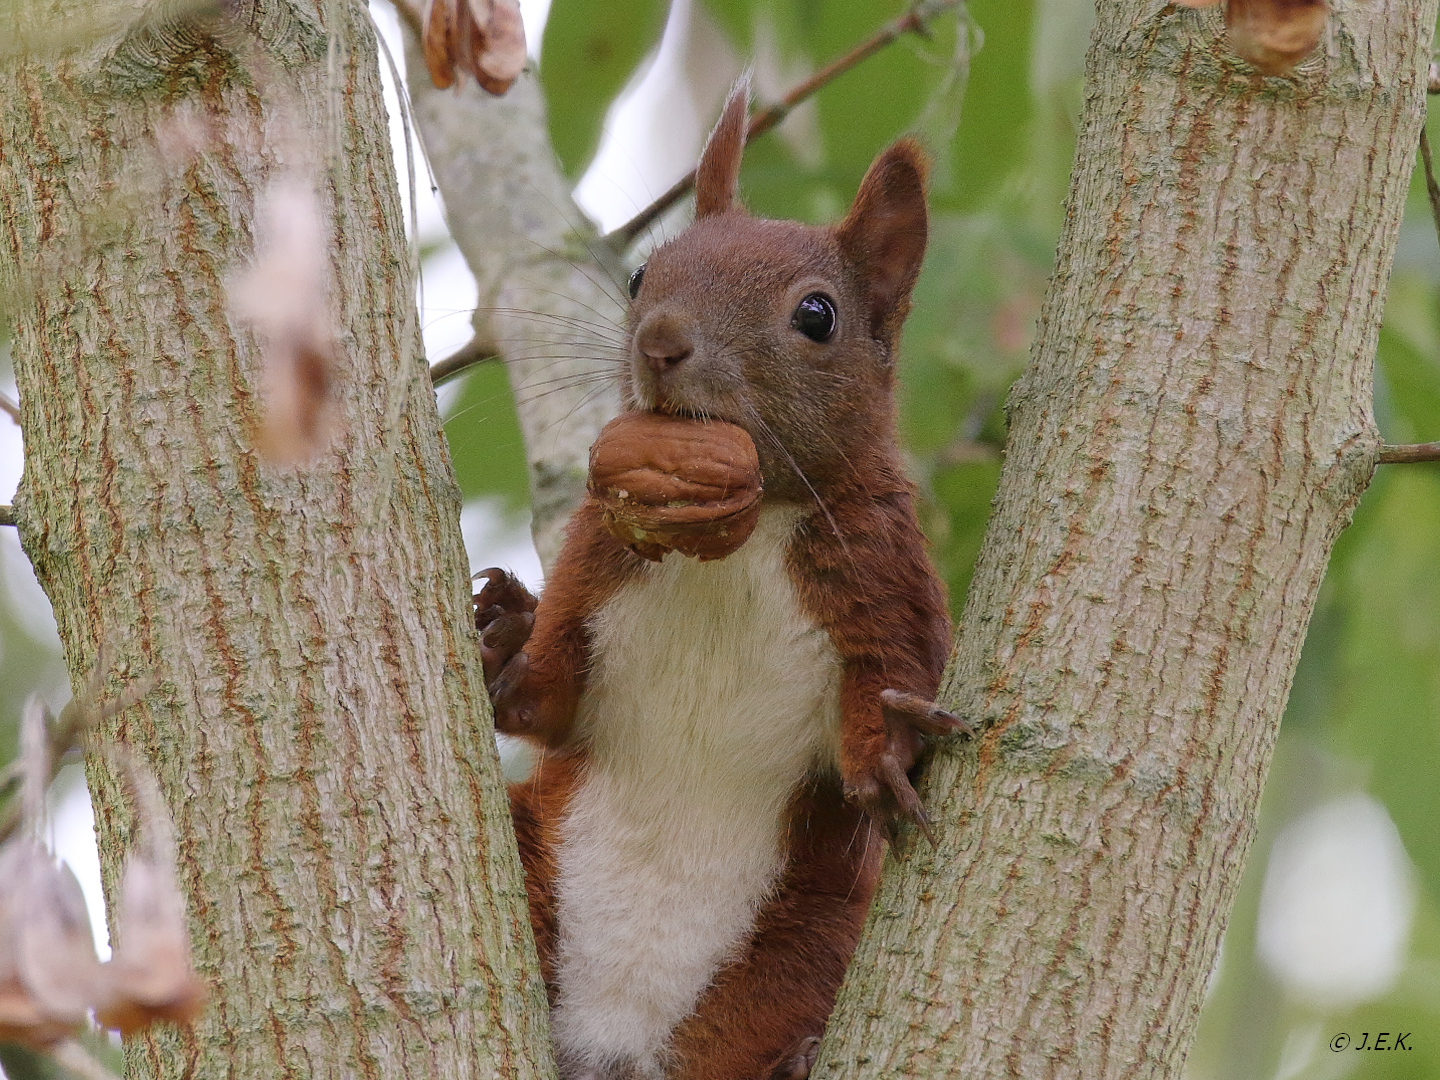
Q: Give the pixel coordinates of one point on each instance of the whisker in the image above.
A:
(566, 381)
(530, 398)
(606, 328)
(794, 465)
(586, 400)
(569, 299)
(579, 229)
(609, 361)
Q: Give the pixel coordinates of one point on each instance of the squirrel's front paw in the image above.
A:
(880, 785)
(505, 616)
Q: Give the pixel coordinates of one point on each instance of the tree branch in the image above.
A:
(7, 515)
(1432, 189)
(1408, 453)
(80, 716)
(915, 20)
(9, 408)
(475, 351)
(548, 295)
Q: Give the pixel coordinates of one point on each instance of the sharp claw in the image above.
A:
(892, 832)
(954, 725)
(924, 716)
(494, 584)
(509, 631)
(504, 589)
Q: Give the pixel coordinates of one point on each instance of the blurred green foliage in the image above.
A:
(486, 446)
(588, 53)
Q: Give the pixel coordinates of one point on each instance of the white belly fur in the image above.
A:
(711, 695)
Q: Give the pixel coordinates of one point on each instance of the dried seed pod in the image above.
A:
(285, 296)
(49, 975)
(484, 37)
(55, 949)
(668, 483)
(149, 977)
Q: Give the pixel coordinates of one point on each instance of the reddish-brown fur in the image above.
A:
(857, 560)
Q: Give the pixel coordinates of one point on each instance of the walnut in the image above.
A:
(668, 483)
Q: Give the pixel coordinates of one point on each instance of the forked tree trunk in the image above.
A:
(1191, 436)
(318, 721)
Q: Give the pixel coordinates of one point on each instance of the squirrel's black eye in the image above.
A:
(636, 277)
(815, 317)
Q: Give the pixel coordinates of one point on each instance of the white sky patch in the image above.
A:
(493, 538)
(534, 13)
(72, 824)
(1337, 904)
(429, 211)
(12, 452)
(450, 298)
(631, 167)
(29, 605)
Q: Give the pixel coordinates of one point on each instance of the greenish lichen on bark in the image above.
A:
(1189, 439)
(318, 724)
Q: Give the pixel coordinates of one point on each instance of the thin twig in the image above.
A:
(7, 515)
(1431, 187)
(968, 452)
(914, 21)
(9, 407)
(475, 351)
(77, 719)
(1409, 453)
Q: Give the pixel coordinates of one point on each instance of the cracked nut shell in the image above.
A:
(671, 483)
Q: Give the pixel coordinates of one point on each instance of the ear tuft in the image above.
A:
(883, 236)
(718, 173)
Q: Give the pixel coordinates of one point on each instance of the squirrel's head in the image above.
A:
(788, 330)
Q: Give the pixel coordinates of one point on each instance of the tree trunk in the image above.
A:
(548, 298)
(318, 721)
(1191, 436)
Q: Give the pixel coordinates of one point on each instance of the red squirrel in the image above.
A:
(722, 744)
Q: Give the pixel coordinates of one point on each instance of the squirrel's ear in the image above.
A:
(719, 170)
(883, 235)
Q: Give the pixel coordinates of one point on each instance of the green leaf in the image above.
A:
(810, 168)
(993, 142)
(1408, 395)
(1388, 696)
(485, 442)
(589, 52)
(962, 495)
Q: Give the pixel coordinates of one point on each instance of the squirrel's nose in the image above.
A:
(662, 344)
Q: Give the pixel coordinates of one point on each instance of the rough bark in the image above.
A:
(1191, 436)
(318, 722)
